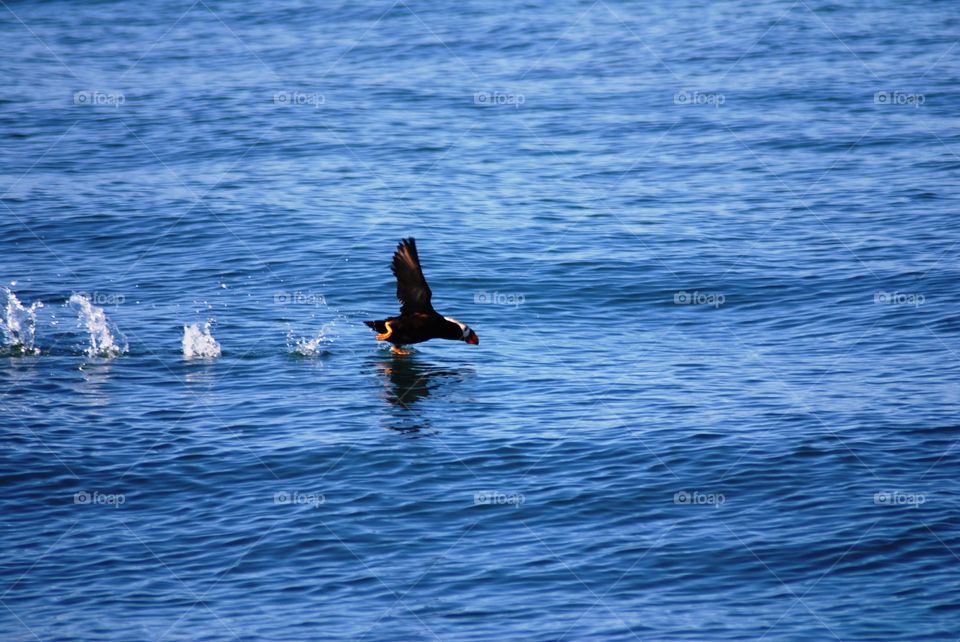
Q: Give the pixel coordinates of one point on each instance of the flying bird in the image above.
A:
(418, 321)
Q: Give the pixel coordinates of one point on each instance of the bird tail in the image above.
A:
(379, 326)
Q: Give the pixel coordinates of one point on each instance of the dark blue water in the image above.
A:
(713, 270)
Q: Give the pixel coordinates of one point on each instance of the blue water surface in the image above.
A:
(710, 250)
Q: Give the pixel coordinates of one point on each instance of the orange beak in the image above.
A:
(473, 339)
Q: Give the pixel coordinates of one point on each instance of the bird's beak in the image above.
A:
(473, 339)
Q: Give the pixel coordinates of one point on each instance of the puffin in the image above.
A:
(418, 321)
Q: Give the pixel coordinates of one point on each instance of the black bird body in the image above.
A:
(417, 321)
(417, 328)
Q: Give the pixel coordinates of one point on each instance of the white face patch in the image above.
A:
(463, 326)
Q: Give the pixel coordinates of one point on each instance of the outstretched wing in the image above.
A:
(413, 293)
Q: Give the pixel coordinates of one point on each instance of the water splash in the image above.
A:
(311, 347)
(104, 339)
(198, 343)
(18, 324)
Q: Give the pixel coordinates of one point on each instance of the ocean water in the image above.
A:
(710, 250)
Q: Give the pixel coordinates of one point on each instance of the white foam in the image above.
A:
(198, 342)
(18, 323)
(310, 347)
(104, 340)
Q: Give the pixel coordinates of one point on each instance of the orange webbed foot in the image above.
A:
(386, 335)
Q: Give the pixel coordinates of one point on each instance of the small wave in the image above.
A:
(104, 339)
(198, 342)
(18, 324)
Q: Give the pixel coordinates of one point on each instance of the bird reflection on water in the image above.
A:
(407, 381)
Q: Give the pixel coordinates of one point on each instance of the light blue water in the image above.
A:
(714, 275)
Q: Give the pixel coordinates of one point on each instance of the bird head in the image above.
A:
(466, 334)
